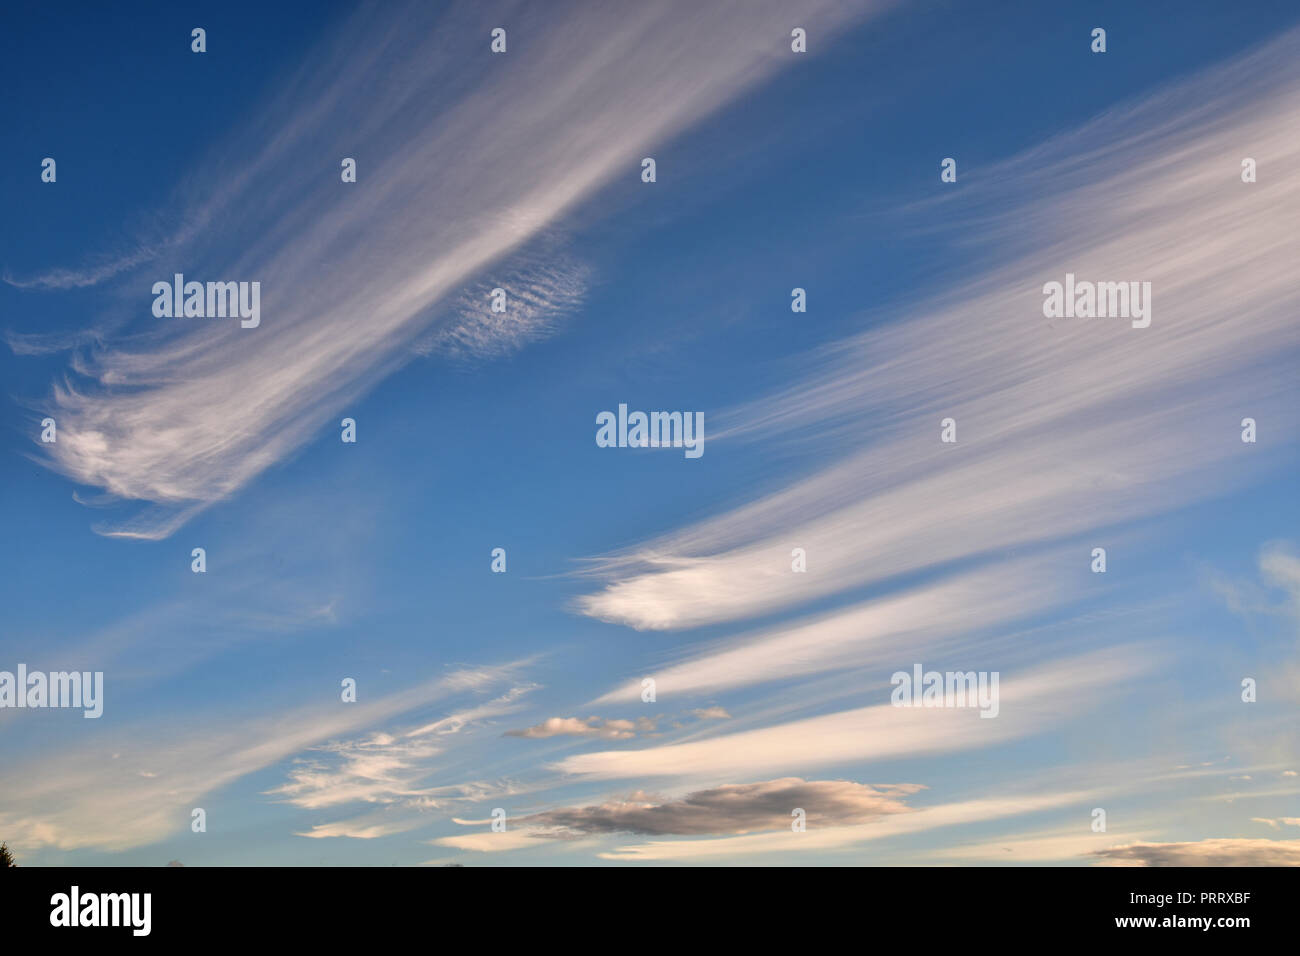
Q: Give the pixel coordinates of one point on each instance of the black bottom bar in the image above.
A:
(302, 905)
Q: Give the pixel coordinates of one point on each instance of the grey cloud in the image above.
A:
(1225, 852)
(736, 808)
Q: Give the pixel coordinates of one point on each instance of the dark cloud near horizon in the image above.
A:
(735, 808)
(1218, 852)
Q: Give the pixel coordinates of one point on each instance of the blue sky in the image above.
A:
(521, 691)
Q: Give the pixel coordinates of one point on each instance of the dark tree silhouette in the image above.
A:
(6, 858)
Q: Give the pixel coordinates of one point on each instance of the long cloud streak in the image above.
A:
(1063, 425)
(449, 183)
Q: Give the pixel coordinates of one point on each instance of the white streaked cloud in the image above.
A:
(1029, 703)
(370, 827)
(921, 621)
(604, 728)
(353, 276)
(1063, 425)
(386, 767)
(490, 841)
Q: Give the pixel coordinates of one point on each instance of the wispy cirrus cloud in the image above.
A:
(881, 632)
(364, 828)
(1030, 703)
(137, 786)
(389, 767)
(463, 158)
(1063, 425)
(540, 294)
(1277, 823)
